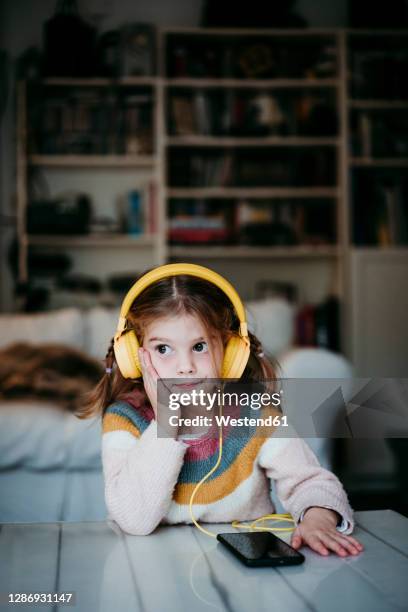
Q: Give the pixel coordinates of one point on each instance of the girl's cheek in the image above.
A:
(160, 364)
(212, 367)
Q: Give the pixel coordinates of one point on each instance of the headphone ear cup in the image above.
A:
(126, 354)
(235, 358)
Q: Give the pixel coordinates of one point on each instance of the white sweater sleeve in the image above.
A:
(140, 475)
(301, 481)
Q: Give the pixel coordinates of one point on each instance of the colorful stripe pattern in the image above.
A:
(237, 462)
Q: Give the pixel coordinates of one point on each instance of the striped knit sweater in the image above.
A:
(149, 480)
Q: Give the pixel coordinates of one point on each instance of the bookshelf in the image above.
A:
(74, 134)
(93, 161)
(237, 102)
(377, 105)
(314, 85)
(259, 143)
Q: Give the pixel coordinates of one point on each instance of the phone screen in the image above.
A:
(260, 548)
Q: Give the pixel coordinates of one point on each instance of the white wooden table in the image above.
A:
(178, 568)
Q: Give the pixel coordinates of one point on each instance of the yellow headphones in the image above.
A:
(126, 343)
(236, 357)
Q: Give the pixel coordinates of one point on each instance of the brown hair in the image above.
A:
(171, 296)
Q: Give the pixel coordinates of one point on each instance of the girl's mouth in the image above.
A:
(189, 385)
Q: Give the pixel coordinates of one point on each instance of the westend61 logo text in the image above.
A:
(206, 400)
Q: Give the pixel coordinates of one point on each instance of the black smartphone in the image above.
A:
(260, 548)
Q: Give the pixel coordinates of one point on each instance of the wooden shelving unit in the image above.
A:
(99, 82)
(326, 265)
(379, 163)
(260, 141)
(252, 192)
(263, 261)
(93, 161)
(90, 240)
(373, 258)
(148, 247)
(251, 83)
(368, 134)
(378, 104)
(243, 252)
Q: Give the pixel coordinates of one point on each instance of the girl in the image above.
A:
(183, 324)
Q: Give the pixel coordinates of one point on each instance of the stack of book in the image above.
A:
(89, 121)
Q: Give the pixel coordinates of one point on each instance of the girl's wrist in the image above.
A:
(332, 515)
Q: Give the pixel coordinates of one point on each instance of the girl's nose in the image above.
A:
(185, 366)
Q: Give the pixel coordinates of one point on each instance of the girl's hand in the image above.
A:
(318, 531)
(150, 378)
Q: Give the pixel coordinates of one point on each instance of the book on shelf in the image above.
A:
(284, 222)
(318, 324)
(87, 121)
(251, 57)
(380, 215)
(365, 134)
(379, 72)
(198, 230)
(201, 171)
(202, 113)
(200, 222)
(138, 210)
(237, 113)
(182, 116)
(393, 223)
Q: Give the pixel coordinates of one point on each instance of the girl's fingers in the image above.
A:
(348, 543)
(141, 358)
(356, 543)
(316, 544)
(333, 544)
(147, 364)
(296, 540)
(148, 361)
(324, 542)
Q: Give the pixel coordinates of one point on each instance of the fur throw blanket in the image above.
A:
(53, 372)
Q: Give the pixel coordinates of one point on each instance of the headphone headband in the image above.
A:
(175, 270)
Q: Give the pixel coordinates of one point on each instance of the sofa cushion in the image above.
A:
(63, 326)
(272, 321)
(40, 436)
(100, 326)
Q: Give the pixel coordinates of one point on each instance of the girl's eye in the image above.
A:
(201, 347)
(160, 348)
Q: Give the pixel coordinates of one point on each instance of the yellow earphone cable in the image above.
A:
(237, 524)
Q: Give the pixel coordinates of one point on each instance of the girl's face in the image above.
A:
(179, 348)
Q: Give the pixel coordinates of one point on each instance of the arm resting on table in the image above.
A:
(301, 481)
(140, 476)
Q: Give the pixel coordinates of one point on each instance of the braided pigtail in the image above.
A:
(111, 386)
(260, 366)
(110, 358)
